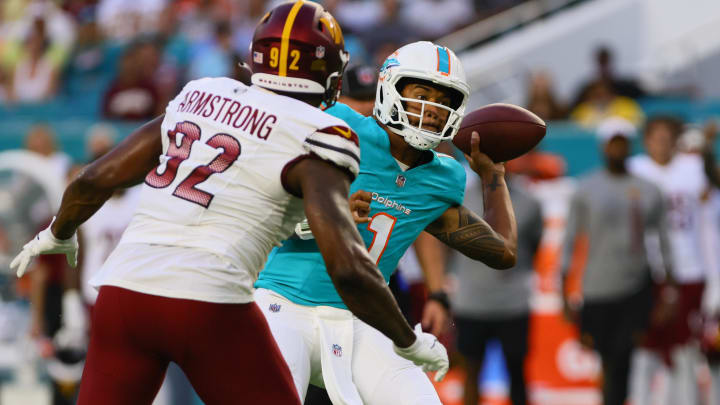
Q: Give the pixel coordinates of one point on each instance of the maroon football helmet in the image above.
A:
(298, 47)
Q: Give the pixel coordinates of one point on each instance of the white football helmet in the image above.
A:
(429, 62)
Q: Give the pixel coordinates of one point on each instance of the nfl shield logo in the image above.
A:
(320, 52)
(275, 307)
(337, 350)
(258, 57)
(400, 180)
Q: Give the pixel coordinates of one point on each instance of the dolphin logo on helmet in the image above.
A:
(428, 62)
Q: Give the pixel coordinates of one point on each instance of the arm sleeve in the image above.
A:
(336, 144)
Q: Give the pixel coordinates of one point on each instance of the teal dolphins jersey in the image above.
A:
(403, 204)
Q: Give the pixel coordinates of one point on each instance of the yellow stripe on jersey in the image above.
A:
(285, 38)
(346, 133)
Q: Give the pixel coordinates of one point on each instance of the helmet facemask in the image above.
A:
(415, 135)
(430, 65)
(334, 81)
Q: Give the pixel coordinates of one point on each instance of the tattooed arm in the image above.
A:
(464, 231)
(493, 238)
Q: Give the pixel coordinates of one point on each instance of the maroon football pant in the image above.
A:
(226, 350)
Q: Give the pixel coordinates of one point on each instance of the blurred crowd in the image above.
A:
(604, 94)
(134, 56)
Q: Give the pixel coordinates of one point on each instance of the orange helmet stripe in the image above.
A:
(285, 38)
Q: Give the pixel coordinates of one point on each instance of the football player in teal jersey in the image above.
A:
(420, 101)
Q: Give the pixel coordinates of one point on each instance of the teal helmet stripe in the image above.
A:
(443, 60)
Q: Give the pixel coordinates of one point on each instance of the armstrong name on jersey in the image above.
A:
(247, 118)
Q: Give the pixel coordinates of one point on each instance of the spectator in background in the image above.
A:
(672, 345)
(133, 95)
(710, 343)
(123, 20)
(244, 23)
(490, 304)
(363, 16)
(216, 59)
(199, 19)
(601, 102)
(447, 16)
(41, 140)
(20, 18)
(175, 55)
(372, 28)
(35, 76)
(694, 140)
(100, 234)
(58, 321)
(541, 98)
(100, 138)
(358, 89)
(604, 71)
(610, 213)
(93, 61)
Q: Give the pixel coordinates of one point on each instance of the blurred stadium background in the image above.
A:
(76, 70)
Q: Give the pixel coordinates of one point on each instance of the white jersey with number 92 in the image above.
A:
(216, 204)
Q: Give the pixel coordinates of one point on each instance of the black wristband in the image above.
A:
(441, 297)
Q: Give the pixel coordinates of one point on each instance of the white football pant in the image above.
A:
(337, 356)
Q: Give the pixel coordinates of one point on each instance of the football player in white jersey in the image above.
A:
(683, 182)
(238, 167)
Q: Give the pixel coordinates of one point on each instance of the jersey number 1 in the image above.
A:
(181, 140)
(381, 225)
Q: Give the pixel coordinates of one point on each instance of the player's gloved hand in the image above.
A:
(426, 352)
(45, 243)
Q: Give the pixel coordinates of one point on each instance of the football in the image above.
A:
(506, 131)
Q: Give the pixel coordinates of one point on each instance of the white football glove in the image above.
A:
(426, 352)
(45, 243)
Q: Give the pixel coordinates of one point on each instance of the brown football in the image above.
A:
(506, 131)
